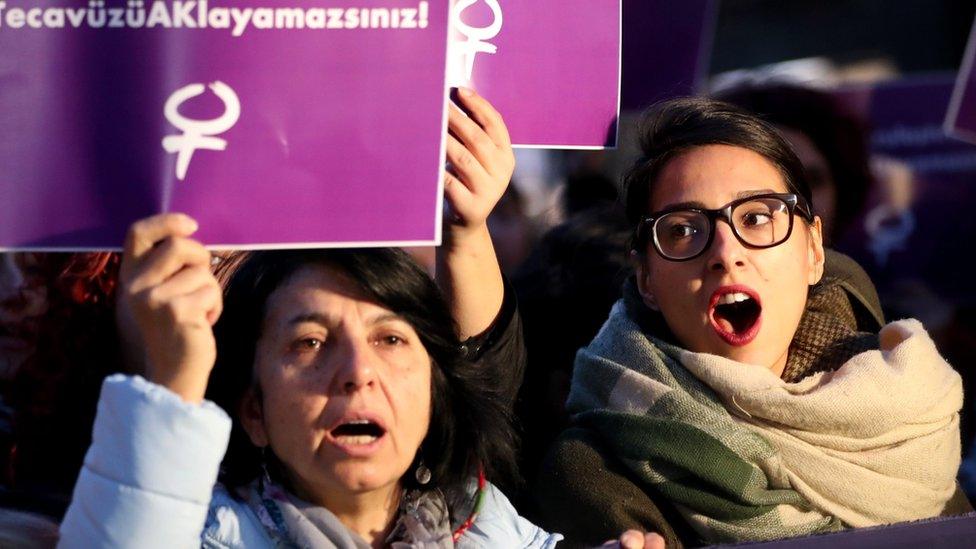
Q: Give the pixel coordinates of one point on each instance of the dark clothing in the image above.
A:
(502, 348)
(590, 497)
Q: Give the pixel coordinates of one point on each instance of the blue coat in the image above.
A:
(149, 480)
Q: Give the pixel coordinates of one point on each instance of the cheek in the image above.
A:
(291, 410)
(788, 279)
(673, 285)
(412, 404)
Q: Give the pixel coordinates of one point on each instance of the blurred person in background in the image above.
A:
(565, 290)
(830, 142)
(59, 310)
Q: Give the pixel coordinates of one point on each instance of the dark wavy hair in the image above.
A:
(672, 127)
(470, 425)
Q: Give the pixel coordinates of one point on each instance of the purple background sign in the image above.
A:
(666, 49)
(339, 140)
(961, 117)
(915, 233)
(555, 71)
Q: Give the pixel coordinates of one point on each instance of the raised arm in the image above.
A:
(481, 160)
(156, 447)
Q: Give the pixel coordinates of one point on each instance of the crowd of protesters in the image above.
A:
(683, 361)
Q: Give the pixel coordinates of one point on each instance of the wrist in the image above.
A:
(465, 237)
(189, 387)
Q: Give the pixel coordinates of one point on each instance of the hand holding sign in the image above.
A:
(166, 280)
(479, 151)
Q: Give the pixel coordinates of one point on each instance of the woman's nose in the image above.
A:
(726, 252)
(358, 369)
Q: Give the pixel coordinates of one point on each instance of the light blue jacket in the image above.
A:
(150, 476)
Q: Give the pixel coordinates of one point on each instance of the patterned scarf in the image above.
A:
(423, 521)
(675, 419)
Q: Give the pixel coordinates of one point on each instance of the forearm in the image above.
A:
(469, 275)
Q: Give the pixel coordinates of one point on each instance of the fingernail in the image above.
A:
(465, 92)
(191, 224)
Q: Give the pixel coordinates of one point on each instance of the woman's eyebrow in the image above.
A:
(384, 317)
(695, 204)
(746, 194)
(684, 205)
(302, 318)
(319, 318)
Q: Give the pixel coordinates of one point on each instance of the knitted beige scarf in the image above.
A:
(873, 442)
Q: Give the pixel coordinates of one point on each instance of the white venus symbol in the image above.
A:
(475, 39)
(198, 134)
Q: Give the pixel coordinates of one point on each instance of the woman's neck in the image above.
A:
(371, 515)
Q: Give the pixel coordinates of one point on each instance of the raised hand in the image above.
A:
(174, 301)
(481, 159)
(481, 162)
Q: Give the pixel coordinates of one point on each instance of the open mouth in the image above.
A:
(736, 314)
(357, 432)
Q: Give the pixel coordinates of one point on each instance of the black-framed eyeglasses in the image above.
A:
(759, 221)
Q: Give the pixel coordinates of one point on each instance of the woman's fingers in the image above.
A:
(188, 281)
(467, 168)
(486, 116)
(195, 309)
(635, 539)
(653, 541)
(480, 165)
(165, 260)
(145, 233)
(497, 159)
(170, 301)
(632, 539)
(460, 196)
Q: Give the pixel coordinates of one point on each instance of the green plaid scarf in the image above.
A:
(674, 433)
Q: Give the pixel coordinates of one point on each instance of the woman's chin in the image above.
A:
(358, 478)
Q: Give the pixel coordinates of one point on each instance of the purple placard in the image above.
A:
(961, 116)
(914, 233)
(551, 67)
(338, 140)
(937, 533)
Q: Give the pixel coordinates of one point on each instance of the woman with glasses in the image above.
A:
(738, 391)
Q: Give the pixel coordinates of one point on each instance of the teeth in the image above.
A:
(736, 297)
(359, 440)
(358, 422)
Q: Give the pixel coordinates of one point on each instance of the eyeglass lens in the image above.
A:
(762, 222)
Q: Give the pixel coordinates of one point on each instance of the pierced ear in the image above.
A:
(251, 414)
(644, 285)
(816, 255)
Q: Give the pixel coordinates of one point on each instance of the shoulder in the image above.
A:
(498, 524)
(590, 495)
(574, 466)
(231, 523)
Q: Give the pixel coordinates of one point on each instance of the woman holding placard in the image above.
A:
(353, 415)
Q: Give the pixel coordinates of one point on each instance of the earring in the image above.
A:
(422, 473)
